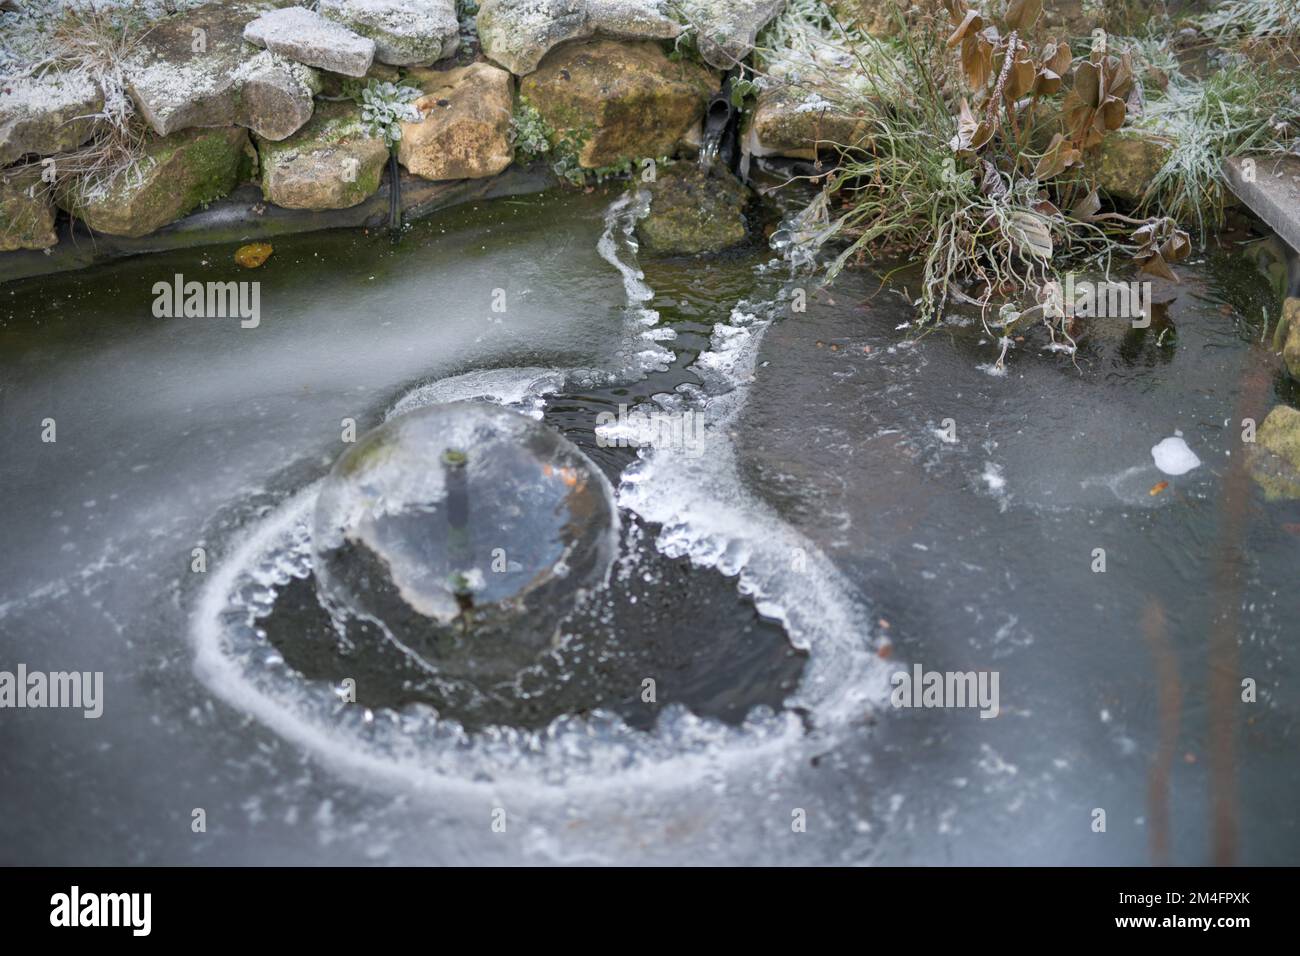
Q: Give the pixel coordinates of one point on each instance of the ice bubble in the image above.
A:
(467, 531)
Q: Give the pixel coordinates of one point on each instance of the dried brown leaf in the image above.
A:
(1020, 79)
(1021, 14)
(1059, 157)
(1088, 206)
(1033, 232)
(1087, 83)
(1047, 82)
(1157, 266)
(969, 25)
(1057, 57)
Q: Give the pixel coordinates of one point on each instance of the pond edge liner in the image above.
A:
(244, 216)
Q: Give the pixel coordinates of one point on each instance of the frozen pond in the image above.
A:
(837, 504)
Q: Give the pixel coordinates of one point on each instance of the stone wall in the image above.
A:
(266, 91)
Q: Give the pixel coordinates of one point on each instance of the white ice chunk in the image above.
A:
(1173, 457)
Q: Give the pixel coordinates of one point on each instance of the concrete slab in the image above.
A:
(1271, 189)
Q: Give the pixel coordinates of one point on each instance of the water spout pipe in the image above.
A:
(459, 549)
(394, 195)
(719, 137)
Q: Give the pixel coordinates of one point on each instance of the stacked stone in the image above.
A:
(240, 88)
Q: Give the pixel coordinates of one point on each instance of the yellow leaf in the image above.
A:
(253, 255)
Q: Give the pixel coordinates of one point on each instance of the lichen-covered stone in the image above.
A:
(811, 103)
(195, 70)
(1275, 458)
(276, 96)
(1291, 348)
(305, 36)
(48, 114)
(26, 212)
(726, 29)
(1126, 162)
(609, 102)
(405, 32)
(176, 174)
(331, 163)
(465, 130)
(693, 211)
(788, 122)
(519, 33)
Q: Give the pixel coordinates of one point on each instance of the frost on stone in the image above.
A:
(276, 95)
(816, 92)
(305, 36)
(46, 114)
(196, 70)
(467, 531)
(518, 33)
(726, 29)
(405, 32)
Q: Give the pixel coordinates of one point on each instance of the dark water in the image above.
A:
(973, 554)
(706, 647)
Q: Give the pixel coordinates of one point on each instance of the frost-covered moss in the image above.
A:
(174, 175)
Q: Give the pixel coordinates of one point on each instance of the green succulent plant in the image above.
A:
(385, 107)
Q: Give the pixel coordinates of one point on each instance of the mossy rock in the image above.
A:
(1269, 256)
(1291, 350)
(694, 211)
(612, 102)
(1275, 458)
(810, 105)
(1126, 162)
(26, 212)
(175, 174)
(334, 85)
(331, 163)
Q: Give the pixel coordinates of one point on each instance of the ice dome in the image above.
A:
(467, 531)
